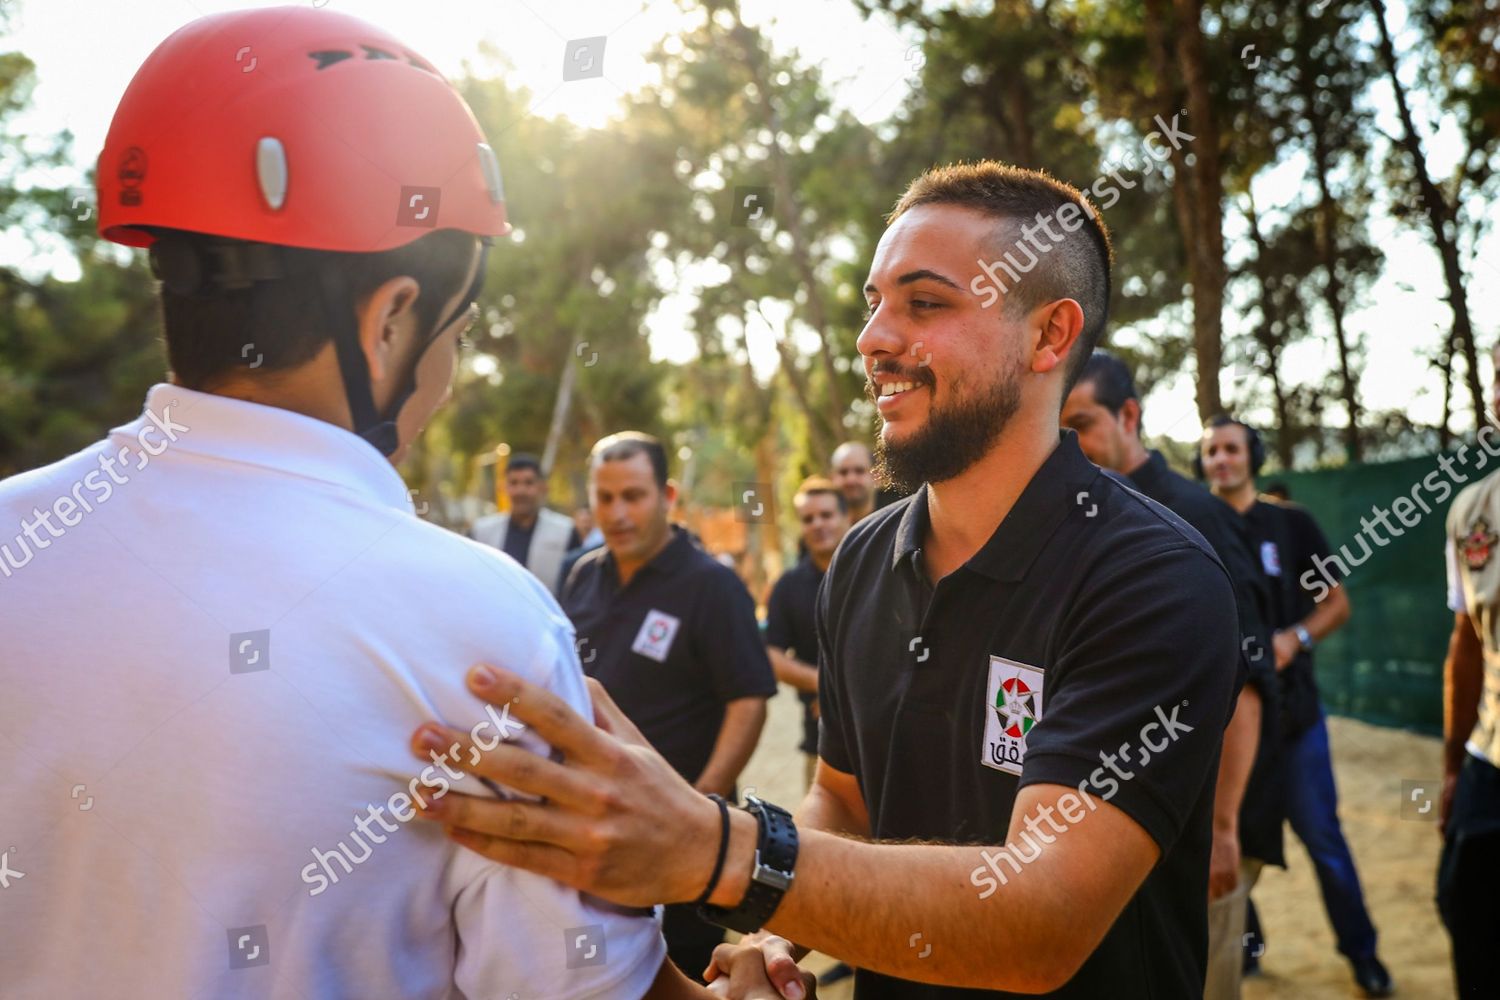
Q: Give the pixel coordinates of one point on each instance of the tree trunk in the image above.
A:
(1445, 431)
(1265, 336)
(1208, 194)
(1439, 215)
(1197, 191)
(823, 442)
(1333, 293)
(768, 567)
(561, 406)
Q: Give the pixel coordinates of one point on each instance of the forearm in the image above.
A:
(854, 900)
(743, 720)
(1463, 676)
(1241, 740)
(996, 917)
(790, 670)
(1328, 615)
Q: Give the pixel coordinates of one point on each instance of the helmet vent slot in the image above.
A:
(327, 57)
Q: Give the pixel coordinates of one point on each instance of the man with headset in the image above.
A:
(1289, 543)
(1105, 411)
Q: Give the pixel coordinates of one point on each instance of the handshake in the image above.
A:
(760, 967)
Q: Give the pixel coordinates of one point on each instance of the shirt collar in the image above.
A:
(245, 433)
(1047, 499)
(671, 557)
(1151, 473)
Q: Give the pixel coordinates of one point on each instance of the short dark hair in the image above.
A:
(1225, 420)
(1113, 384)
(628, 444)
(816, 486)
(1079, 270)
(279, 324)
(523, 460)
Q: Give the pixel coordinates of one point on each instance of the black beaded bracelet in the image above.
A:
(713, 881)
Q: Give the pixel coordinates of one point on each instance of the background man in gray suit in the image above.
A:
(529, 533)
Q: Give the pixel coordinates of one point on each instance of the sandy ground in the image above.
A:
(1396, 851)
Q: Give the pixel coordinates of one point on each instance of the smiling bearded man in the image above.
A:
(945, 849)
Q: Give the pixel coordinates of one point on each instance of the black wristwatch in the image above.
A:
(775, 860)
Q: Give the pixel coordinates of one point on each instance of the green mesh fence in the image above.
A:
(1386, 665)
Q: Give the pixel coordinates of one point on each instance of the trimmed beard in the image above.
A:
(953, 439)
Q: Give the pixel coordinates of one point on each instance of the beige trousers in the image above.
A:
(1226, 933)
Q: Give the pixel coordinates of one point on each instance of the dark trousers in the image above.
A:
(1312, 809)
(1469, 878)
(690, 941)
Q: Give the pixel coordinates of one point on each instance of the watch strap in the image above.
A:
(771, 876)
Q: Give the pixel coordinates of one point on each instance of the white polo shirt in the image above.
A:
(218, 630)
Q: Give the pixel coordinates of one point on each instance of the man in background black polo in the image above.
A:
(672, 636)
(823, 515)
(1104, 410)
(1292, 549)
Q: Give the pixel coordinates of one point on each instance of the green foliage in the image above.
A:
(76, 357)
(611, 222)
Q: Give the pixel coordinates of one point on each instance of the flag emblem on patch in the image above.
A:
(1478, 546)
(1016, 707)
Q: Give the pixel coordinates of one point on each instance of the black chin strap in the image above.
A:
(380, 430)
(339, 314)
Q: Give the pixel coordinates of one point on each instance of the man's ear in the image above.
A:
(1060, 324)
(671, 493)
(386, 319)
(1130, 417)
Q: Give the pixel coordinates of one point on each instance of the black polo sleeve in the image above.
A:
(727, 638)
(1140, 687)
(834, 748)
(779, 615)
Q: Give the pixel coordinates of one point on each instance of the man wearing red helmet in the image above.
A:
(232, 616)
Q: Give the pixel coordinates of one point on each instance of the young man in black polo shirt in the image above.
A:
(672, 636)
(1104, 410)
(1023, 640)
(1290, 545)
(823, 514)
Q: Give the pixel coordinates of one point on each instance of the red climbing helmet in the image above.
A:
(297, 127)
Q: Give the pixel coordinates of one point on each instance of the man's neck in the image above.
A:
(629, 568)
(965, 511)
(859, 512)
(821, 561)
(525, 523)
(1241, 499)
(1136, 457)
